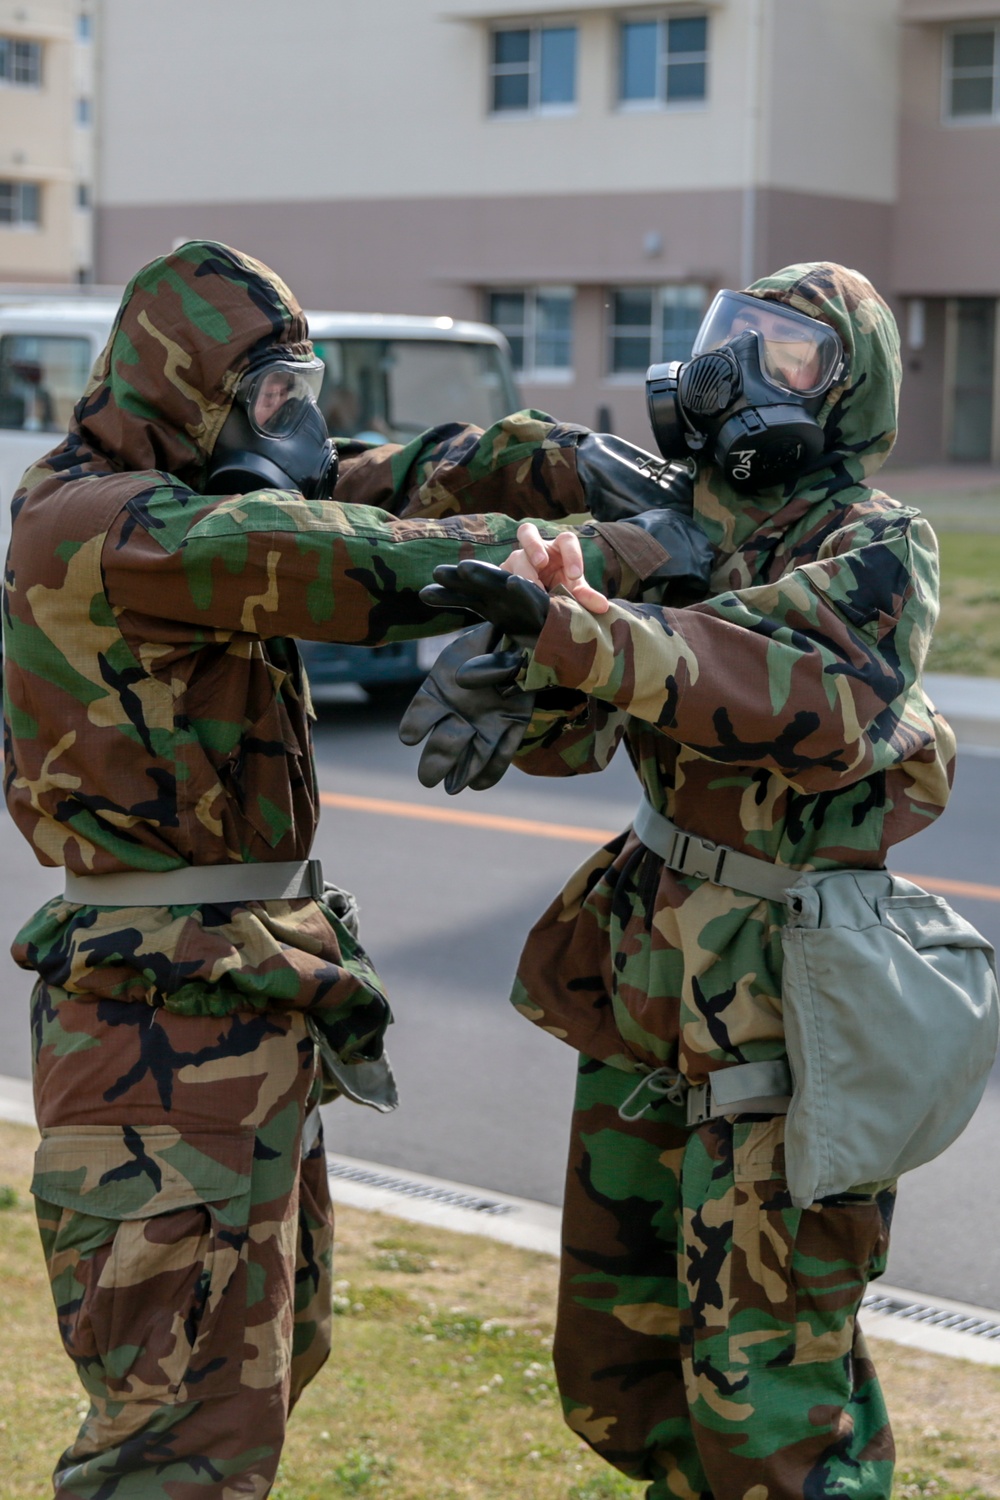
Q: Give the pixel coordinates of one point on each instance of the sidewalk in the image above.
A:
(941, 479)
(971, 705)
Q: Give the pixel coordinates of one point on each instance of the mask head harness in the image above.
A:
(275, 436)
(749, 396)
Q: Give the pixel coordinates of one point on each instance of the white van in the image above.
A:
(387, 379)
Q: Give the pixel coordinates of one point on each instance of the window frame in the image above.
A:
(535, 108)
(654, 328)
(660, 102)
(532, 373)
(11, 44)
(21, 224)
(948, 73)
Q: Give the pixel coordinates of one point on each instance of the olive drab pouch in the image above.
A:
(892, 1022)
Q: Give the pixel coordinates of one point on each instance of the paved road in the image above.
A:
(444, 908)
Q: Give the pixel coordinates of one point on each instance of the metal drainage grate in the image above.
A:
(419, 1189)
(934, 1317)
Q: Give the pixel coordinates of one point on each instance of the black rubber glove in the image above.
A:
(620, 480)
(685, 577)
(472, 731)
(515, 606)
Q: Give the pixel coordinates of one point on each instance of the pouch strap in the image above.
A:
(757, 1088)
(199, 885)
(690, 855)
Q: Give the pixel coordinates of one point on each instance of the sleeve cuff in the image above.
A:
(639, 554)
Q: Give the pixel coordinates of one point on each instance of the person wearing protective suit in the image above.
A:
(707, 1336)
(200, 987)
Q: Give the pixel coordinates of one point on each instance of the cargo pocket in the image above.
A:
(762, 1289)
(838, 1243)
(810, 1265)
(145, 1234)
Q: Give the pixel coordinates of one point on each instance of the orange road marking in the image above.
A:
(955, 887)
(576, 835)
(468, 819)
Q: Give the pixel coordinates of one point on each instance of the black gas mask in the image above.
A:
(275, 437)
(749, 396)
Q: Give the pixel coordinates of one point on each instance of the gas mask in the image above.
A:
(275, 437)
(750, 394)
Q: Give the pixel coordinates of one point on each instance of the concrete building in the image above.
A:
(47, 108)
(583, 174)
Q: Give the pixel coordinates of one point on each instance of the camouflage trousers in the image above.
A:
(707, 1337)
(188, 1239)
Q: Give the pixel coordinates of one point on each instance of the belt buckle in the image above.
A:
(699, 1105)
(703, 859)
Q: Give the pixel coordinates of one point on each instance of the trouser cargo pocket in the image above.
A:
(145, 1235)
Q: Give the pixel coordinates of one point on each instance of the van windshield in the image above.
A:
(388, 390)
(41, 379)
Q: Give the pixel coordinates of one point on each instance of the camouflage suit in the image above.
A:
(157, 717)
(707, 1337)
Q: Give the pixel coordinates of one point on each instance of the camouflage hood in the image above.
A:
(859, 415)
(189, 326)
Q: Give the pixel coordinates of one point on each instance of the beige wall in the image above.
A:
(830, 76)
(37, 142)
(411, 120)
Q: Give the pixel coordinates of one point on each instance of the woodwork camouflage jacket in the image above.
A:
(783, 716)
(157, 715)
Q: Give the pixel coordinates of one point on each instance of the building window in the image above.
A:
(972, 74)
(84, 110)
(664, 62)
(538, 324)
(83, 195)
(20, 62)
(533, 70)
(651, 324)
(19, 204)
(84, 26)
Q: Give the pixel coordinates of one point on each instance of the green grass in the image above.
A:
(967, 636)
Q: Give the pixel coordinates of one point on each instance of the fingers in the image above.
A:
(422, 713)
(535, 548)
(590, 598)
(436, 596)
(569, 555)
(495, 669)
(518, 563)
(450, 754)
(551, 561)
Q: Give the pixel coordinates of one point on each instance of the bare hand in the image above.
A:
(554, 561)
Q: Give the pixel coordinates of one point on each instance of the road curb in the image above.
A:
(938, 1325)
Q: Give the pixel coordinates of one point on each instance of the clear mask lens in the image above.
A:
(797, 353)
(277, 398)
